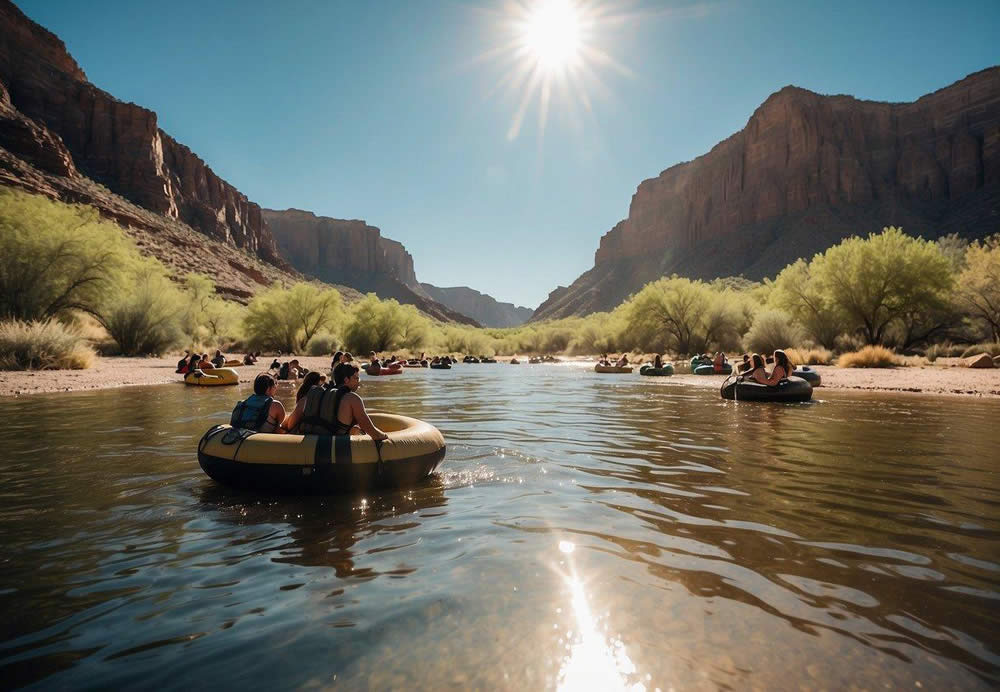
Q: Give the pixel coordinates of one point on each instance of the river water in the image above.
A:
(584, 532)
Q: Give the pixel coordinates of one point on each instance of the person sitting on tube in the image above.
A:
(261, 411)
(622, 362)
(756, 371)
(719, 361)
(374, 364)
(745, 365)
(781, 370)
(338, 411)
(205, 363)
(219, 360)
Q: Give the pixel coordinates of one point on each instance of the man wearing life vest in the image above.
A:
(337, 411)
(261, 412)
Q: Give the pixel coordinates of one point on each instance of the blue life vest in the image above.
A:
(252, 413)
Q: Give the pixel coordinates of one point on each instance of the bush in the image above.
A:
(146, 319)
(810, 356)
(990, 347)
(943, 350)
(322, 344)
(772, 329)
(284, 319)
(979, 284)
(47, 345)
(870, 357)
(382, 325)
(56, 257)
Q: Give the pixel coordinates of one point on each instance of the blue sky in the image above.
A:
(382, 111)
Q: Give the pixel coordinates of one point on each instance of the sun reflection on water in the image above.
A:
(594, 662)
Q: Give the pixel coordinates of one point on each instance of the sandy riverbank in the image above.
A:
(944, 377)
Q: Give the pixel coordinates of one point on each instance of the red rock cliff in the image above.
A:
(806, 171)
(119, 144)
(353, 253)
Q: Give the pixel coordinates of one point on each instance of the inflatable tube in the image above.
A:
(709, 369)
(612, 369)
(394, 370)
(233, 364)
(696, 361)
(649, 370)
(441, 366)
(487, 360)
(212, 378)
(470, 359)
(808, 374)
(515, 361)
(792, 389)
(322, 464)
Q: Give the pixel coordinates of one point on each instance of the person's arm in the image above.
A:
(277, 413)
(294, 417)
(363, 421)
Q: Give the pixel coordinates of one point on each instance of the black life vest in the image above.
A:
(252, 413)
(319, 417)
(283, 372)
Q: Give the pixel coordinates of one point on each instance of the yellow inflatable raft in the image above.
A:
(613, 369)
(212, 378)
(321, 463)
(233, 364)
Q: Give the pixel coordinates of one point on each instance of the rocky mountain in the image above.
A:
(117, 144)
(486, 310)
(353, 253)
(807, 171)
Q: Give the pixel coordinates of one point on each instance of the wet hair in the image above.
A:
(308, 382)
(343, 372)
(781, 358)
(758, 361)
(262, 383)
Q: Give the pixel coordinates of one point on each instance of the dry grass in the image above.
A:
(870, 357)
(46, 345)
(809, 356)
(990, 347)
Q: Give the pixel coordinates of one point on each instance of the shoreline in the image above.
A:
(943, 378)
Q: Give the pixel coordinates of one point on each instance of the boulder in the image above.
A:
(983, 360)
(996, 361)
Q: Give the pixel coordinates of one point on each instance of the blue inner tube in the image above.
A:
(792, 389)
(709, 369)
(667, 369)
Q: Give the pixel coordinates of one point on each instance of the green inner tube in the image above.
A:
(709, 369)
(649, 370)
(792, 389)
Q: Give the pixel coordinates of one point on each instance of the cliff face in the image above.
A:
(115, 144)
(353, 253)
(484, 309)
(805, 172)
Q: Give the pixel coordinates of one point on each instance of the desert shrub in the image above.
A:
(207, 319)
(321, 344)
(146, 319)
(44, 345)
(287, 318)
(990, 347)
(798, 292)
(772, 329)
(468, 340)
(978, 285)
(945, 349)
(382, 325)
(870, 357)
(809, 356)
(56, 257)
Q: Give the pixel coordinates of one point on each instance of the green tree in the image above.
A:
(56, 257)
(287, 318)
(682, 316)
(881, 279)
(382, 325)
(978, 291)
(797, 292)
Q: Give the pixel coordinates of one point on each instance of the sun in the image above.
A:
(551, 34)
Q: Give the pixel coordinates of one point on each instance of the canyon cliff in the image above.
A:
(486, 310)
(806, 172)
(353, 253)
(113, 143)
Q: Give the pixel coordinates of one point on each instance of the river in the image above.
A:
(584, 532)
